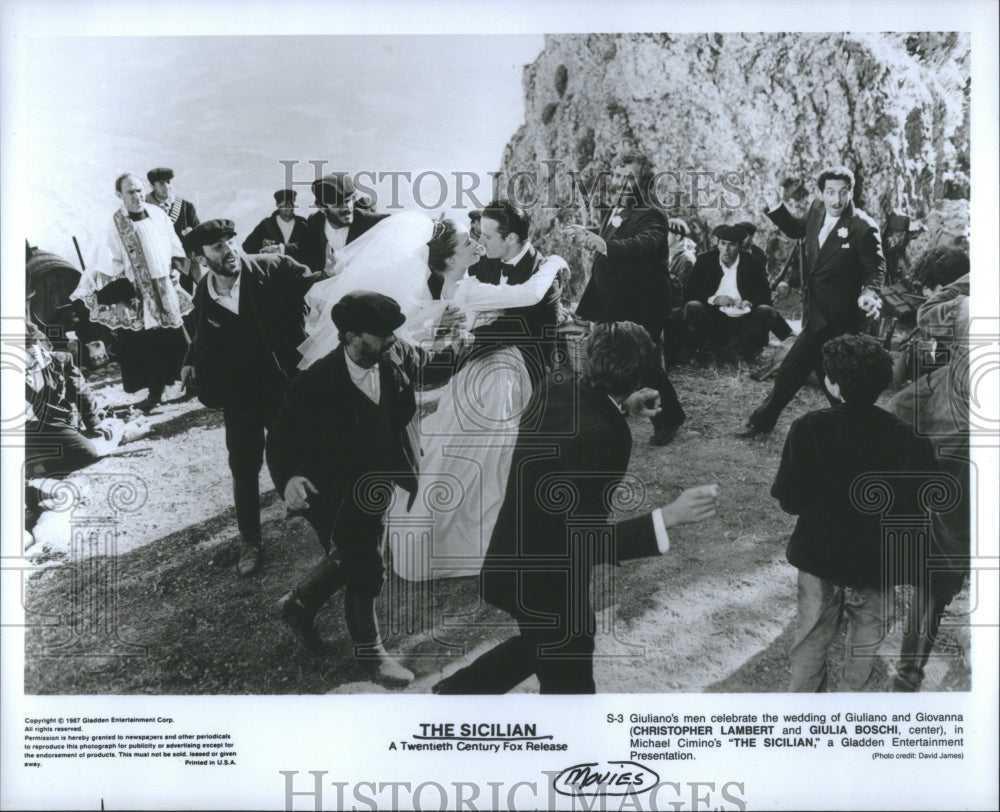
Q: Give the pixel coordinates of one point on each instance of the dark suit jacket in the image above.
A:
(187, 219)
(272, 288)
(836, 272)
(572, 451)
(312, 249)
(751, 279)
(267, 229)
(531, 329)
(825, 453)
(632, 282)
(316, 432)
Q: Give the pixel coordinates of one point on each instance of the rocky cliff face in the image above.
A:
(730, 116)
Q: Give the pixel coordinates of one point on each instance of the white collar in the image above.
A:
(519, 255)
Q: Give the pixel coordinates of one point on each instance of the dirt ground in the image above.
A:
(132, 588)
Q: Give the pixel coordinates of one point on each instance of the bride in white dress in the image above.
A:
(468, 441)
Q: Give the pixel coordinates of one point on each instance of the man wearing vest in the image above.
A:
(249, 314)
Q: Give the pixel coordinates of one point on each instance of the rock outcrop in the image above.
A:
(730, 116)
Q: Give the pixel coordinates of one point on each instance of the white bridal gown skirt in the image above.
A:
(467, 447)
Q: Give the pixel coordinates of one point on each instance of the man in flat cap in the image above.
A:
(338, 222)
(181, 212)
(282, 232)
(131, 285)
(338, 449)
(728, 298)
(249, 314)
(843, 273)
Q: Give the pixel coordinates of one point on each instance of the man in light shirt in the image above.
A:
(281, 232)
(842, 275)
(248, 325)
(728, 298)
(338, 222)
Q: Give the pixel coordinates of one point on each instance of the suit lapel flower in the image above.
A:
(842, 232)
(616, 221)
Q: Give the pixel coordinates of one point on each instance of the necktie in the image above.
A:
(824, 232)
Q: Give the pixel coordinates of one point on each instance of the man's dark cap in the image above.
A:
(160, 173)
(364, 311)
(211, 231)
(333, 189)
(729, 233)
(748, 227)
(285, 197)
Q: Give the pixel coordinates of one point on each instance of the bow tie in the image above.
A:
(506, 268)
(138, 215)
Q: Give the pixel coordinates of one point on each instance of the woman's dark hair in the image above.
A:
(510, 219)
(618, 355)
(442, 245)
(940, 266)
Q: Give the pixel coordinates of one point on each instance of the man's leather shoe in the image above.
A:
(663, 436)
(752, 431)
(300, 621)
(382, 668)
(251, 554)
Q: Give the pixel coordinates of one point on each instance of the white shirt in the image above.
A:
(231, 300)
(727, 285)
(367, 380)
(286, 226)
(515, 259)
(828, 224)
(336, 239)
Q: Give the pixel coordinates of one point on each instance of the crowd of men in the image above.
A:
(187, 304)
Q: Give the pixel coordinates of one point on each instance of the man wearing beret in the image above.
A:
(249, 314)
(280, 233)
(728, 298)
(338, 449)
(842, 274)
(338, 222)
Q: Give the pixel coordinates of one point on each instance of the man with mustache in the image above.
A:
(249, 315)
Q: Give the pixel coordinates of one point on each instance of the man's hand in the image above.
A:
(693, 505)
(870, 303)
(643, 403)
(274, 248)
(104, 429)
(774, 198)
(452, 316)
(187, 376)
(297, 492)
(588, 239)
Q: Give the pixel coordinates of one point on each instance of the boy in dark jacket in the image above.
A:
(838, 545)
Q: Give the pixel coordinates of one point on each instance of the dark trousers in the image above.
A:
(357, 536)
(563, 664)
(672, 414)
(805, 356)
(246, 432)
(56, 450)
(710, 326)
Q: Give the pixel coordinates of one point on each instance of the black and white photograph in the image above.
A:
(580, 407)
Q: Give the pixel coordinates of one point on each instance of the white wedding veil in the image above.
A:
(390, 258)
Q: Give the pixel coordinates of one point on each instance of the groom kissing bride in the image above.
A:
(343, 438)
